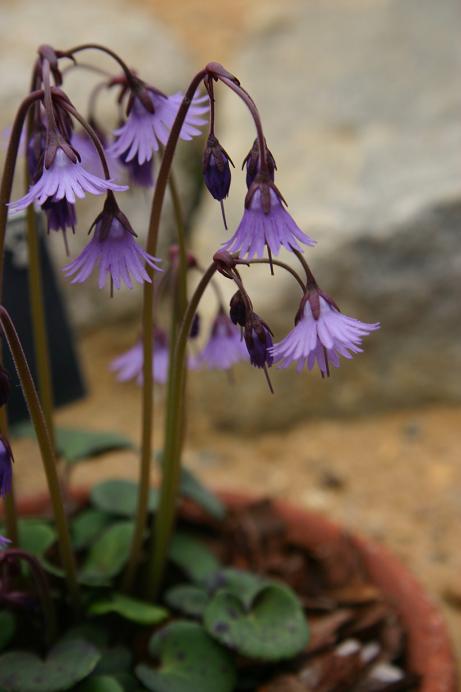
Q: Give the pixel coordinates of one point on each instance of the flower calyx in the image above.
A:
(266, 188)
(312, 296)
(252, 163)
(104, 221)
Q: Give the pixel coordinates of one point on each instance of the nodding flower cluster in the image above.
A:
(64, 164)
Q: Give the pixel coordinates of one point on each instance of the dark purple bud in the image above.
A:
(4, 386)
(216, 169)
(258, 339)
(253, 166)
(195, 327)
(6, 468)
(237, 312)
(140, 174)
(60, 214)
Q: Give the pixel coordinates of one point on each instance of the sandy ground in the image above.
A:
(395, 477)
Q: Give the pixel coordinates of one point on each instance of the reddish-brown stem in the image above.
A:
(9, 168)
(246, 98)
(94, 137)
(96, 46)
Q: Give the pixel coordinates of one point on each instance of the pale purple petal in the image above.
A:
(224, 348)
(257, 229)
(321, 340)
(118, 255)
(143, 132)
(64, 179)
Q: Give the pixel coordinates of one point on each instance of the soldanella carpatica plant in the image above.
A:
(114, 595)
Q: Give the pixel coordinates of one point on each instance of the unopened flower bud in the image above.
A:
(216, 169)
(4, 386)
(258, 339)
(237, 312)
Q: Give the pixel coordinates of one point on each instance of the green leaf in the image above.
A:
(132, 609)
(35, 536)
(87, 526)
(188, 599)
(273, 628)
(244, 585)
(120, 496)
(91, 632)
(108, 554)
(193, 557)
(114, 661)
(67, 663)
(7, 628)
(190, 660)
(74, 444)
(194, 489)
(100, 683)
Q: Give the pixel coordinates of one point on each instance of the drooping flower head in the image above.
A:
(321, 334)
(128, 366)
(64, 178)
(265, 221)
(225, 346)
(60, 214)
(113, 247)
(216, 169)
(237, 309)
(6, 467)
(150, 119)
(139, 174)
(252, 164)
(258, 339)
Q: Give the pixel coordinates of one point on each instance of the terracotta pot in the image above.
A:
(430, 652)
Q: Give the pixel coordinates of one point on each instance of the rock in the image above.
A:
(144, 43)
(361, 112)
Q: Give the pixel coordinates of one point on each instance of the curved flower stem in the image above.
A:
(246, 98)
(43, 589)
(94, 137)
(309, 275)
(278, 263)
(103, 49)
(47, 453)
(9, 168)
(181, 236)
(40, 337)
(147, 331)
(164, 520)
(5, 194)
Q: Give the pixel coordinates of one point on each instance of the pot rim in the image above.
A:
(430, 650)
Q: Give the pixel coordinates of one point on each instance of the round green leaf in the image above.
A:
(87, 526)
(35, 536)
(194, 489)
(190, 660)
(129, 608)
(120, 496)
(188, 599)
(193, 557)
(244, 585)
(68, 663)
(273, 628)
(108, 554)
(7, 628)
